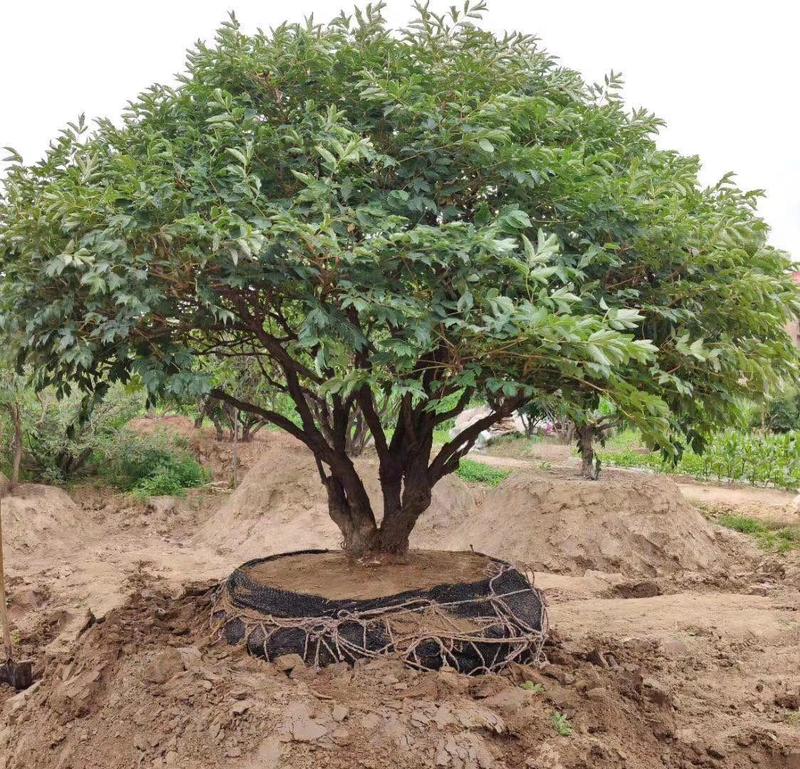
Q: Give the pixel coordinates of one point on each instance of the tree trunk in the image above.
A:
(407, 474)
(218, 428)
(355, 520)
(590, 464)
(407, 494)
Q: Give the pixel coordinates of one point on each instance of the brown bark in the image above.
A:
(350, 509)
(590, 463)
(406, 472)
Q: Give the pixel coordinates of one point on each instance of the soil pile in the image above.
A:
(632, 524)
(37, 516)
(279, 506)
(145, 688)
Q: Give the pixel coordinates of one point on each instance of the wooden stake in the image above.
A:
(3, 609)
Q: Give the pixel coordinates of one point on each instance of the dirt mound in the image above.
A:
(35, 515)
(281, 506)
(145, 688)
(173, 424)
(632, 524)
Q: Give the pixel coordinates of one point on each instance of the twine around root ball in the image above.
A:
(474, 635)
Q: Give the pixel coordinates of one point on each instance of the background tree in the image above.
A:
(13, 395)
(373, 216)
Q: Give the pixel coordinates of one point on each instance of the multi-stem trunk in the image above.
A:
(406, 471)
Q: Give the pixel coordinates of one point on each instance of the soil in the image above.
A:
(698, 669)
(556, 522)
(35, 514)
(773, 505)
(333, 575)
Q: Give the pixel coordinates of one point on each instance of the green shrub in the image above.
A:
(149, 465)
(783, 414)
(61, 436)
(477, 472)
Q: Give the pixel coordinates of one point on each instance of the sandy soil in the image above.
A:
(701, 669)
(332, 575)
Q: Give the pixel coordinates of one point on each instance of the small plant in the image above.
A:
(562, 725)
(477, 472)
(770, 537)
(532, 687)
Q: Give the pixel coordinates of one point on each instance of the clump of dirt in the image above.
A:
(36, 516)
(637, 525)
(146, 688)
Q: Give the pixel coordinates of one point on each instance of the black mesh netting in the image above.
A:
(476, 627)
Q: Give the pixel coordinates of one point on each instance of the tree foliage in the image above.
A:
(411, 215)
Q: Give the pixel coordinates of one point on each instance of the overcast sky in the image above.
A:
(723, 74)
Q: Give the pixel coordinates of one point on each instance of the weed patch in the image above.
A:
(773, 538)
(477, 472)
(150, 465)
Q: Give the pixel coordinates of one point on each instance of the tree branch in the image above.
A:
(271, 416)
(451, 453)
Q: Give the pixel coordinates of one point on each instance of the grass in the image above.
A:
(624, 440)
(770, 537)
(477, 472)
(562, 725)
(532, 687)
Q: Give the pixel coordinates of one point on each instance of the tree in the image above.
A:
(421, 218)
(713, 295)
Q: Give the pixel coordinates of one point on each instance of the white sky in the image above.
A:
(722, 73)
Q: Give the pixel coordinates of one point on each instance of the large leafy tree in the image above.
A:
(423, 216)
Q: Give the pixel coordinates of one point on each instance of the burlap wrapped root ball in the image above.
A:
(474, 627)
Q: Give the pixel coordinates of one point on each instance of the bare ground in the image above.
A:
(663, 655)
